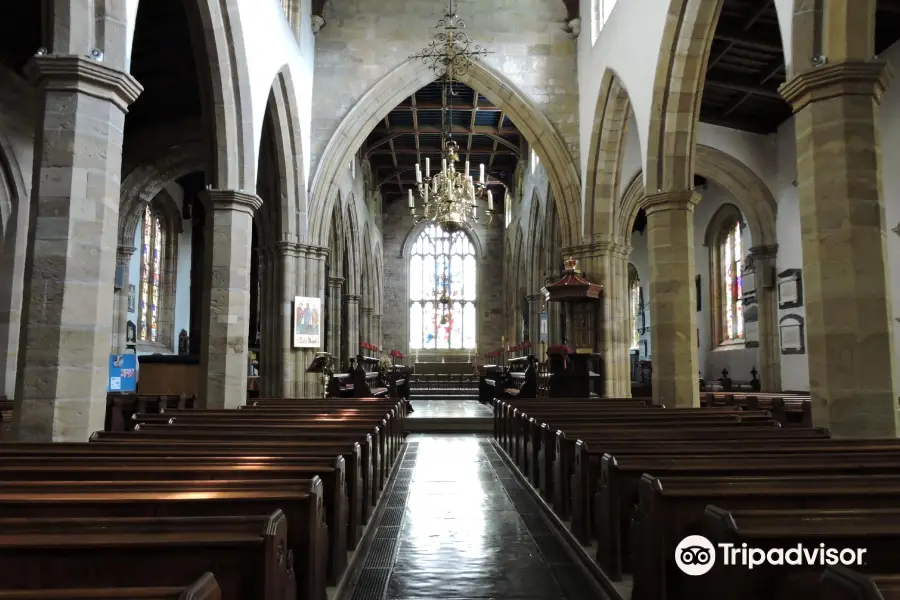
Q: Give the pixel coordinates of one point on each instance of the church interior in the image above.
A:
(432, 299)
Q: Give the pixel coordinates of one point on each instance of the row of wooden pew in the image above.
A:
(261, 502)
(633, 480)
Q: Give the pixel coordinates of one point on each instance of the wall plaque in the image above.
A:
(793, 340)
(790, 289)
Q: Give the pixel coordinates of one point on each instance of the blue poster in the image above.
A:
(122, 373)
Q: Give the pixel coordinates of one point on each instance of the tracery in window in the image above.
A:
(152, 244)
(442, 291)
(732, 309)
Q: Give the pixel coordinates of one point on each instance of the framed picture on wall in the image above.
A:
(307, 325)
(131, 299)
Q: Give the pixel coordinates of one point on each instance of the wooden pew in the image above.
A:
(205, 588)
(840, 583)
(672, 508)
(866, 539)
(219, 455)
(620, 475)
(120, 407)
(789, 410)
(301, 503)
(250, 554)
(332, 474)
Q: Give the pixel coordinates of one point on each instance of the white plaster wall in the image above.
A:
(633, 60)
(756, 151)
(632, 161)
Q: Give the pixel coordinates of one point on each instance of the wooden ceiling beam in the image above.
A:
(478, 130)
(432, 150)
(770, 71)
(743, 85)
(757, 11)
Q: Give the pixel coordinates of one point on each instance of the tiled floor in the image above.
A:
(458, 526)
(434, 409)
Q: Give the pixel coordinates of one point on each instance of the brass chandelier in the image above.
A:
(450, 197)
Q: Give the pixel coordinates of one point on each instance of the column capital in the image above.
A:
(673, 200)
(335, 281)
(377, 317)
(124, 254)
(286, 248)
(366, 310)
(314, 252)
(72, 73)
(237, 200)
(597, 248)
(352, 298)
(767, 252)
(849, 78)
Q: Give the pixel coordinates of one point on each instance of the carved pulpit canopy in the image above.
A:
(572, 287)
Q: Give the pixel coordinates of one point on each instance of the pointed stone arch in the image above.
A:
(605, 153)
(403, 82)
(749, 192)
(283, 109)
(352, 239)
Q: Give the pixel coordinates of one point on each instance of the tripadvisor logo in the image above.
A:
(695, 555)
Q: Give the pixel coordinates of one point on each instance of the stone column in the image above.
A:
(849, 327)
(365, 325)
(288, 255)
(71, 251)
(673, 331)
(534, 321)
(351, 305)
(377, 332)
(224, 344)
(310, 281)
(769, 350)
(120, 303)
(335, 291)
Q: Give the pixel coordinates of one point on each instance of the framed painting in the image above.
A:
(307, 322)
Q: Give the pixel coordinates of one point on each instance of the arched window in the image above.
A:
(442, 288)
(634, 287)
(730, 259)
(152, 244)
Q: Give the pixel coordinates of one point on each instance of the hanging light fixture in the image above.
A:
(450, 197)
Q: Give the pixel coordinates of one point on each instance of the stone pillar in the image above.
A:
(311, 284)
(849, 327)
(365, 325)
(769, 350)
(288, 256)
(224, 343)
(377, 332)
(351, 305)
(605, 263)
(673, 330)
(71, 251)
(120, 303)
(335, 291)
(534, 320)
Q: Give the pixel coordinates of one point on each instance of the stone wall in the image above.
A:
(489, 303)
(363, 41)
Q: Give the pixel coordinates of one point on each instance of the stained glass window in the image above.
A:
(152, 243)
(442, 288)
(730, 255)
(635, 313)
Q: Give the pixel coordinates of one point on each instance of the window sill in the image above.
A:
(153, 348)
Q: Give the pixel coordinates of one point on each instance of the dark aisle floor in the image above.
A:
(459, 525)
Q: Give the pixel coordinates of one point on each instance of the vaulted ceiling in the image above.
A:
(412, 131)
(746, 64)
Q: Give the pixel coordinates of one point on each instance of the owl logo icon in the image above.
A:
(695, 555)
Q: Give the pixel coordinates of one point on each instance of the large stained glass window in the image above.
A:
(152, 243)
(442, 288)
(730, 254)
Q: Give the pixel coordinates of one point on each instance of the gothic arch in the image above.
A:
(605, 154)
(748, 191)
(148, 178)
(410, 77)
(352, 239)
(413, 235)
(367, 286)
(289, 156)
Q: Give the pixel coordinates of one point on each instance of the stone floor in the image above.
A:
(458, 525)
(434, 409)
